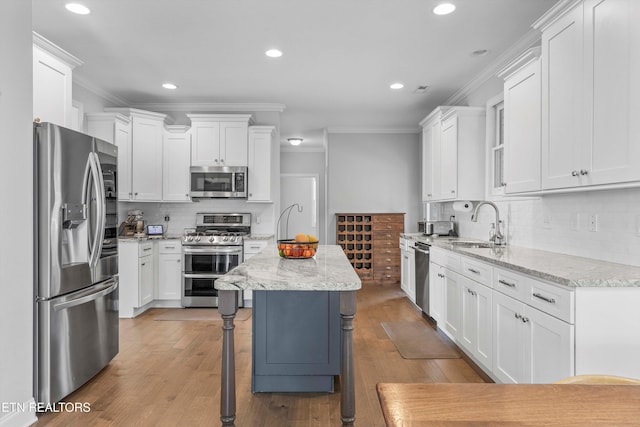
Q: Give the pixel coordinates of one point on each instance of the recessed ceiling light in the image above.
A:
(444, 8)
(170, 86)
(396, 86)
(78, 8)
(273, 53)
(295, 141)
(479, 52)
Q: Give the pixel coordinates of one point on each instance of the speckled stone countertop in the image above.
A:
(146, 238)
(567, 270)
(259, 237)
(329, 270)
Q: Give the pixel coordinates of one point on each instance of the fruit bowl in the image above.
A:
(292, 249)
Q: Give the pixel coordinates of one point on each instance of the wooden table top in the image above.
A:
(410, 405)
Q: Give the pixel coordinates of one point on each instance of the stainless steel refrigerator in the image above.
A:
(76, 259)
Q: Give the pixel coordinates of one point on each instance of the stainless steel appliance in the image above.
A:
(209, 251)
(75, 259)
(441, 228)
(218, 181)
(422, 276)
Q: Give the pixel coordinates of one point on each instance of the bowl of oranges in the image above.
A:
(301, 247)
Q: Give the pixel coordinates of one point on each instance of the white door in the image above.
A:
(303, 190)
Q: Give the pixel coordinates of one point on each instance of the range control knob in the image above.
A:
(189, 238)
(225, 239)
(211, 239)
(197, 239)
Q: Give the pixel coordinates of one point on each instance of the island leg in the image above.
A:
(227, 306)
(347, 385)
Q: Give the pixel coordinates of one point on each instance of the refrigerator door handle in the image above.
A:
(95, 245)
(103, 204)
(85, 296)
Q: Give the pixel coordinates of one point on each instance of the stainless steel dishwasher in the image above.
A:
(422, 276)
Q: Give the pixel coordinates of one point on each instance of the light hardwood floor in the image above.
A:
(168, 374)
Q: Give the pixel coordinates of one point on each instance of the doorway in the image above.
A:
(301, 189)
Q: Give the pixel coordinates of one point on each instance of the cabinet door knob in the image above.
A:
(221, 160)
(215, 160)
(584, 172)
(574, 173)
(250, 194)
(453, 191)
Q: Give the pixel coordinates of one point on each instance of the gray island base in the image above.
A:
(309, 293)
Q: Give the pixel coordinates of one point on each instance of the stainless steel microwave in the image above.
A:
(219, 182)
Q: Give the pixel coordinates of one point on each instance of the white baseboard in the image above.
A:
(20, 415)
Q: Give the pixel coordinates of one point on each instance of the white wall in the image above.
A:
(16, 184)
(311, 163)
(374, 173)
(547, 222)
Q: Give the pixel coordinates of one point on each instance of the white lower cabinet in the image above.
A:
(150, 274)
(476, 331)
(529, 345)
(452, 315)
(169, 270)
(407, 269)
(436, 292)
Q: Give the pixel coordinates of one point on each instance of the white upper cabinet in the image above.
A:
(453, 141)
(219, 139)
(115, 128)
(176, 153)
(522, 123)
(590, 94)
(52, 82)
(260, 165)
(147, 132)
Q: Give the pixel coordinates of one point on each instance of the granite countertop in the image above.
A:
(259, 237)
(146, 238)
(328, 270)
(568, 270)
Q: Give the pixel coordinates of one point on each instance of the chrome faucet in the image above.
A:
(497, 237)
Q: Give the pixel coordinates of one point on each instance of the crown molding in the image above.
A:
(56, 50)
(212, 107)
(527, 57)
(528, 40)
(374, 130)
(99, 91)
(557, 11)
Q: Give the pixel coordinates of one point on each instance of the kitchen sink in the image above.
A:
(460, 244)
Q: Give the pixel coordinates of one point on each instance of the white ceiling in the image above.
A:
(339, 55)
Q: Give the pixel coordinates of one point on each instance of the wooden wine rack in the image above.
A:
(371, 243)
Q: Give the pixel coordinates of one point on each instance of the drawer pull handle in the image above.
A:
(169, 247)
(504, 282)
(473, 270)
(543, 298)
(147, 249)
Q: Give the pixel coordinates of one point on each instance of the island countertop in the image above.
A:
(328, 270)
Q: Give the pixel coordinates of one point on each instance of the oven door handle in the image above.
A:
(213, 250)
(201, 276)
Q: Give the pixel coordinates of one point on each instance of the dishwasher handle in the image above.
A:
(422, 250)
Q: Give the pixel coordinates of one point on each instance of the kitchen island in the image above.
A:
(322, 277)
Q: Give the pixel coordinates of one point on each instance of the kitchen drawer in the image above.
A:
(511, 283)
(380, 258)
(170, 246)
(388, 226)
(145, 249)
(445, 258)
(392, 251)
(254, 246)
(476, 270)
(382, 218)
(390, 236)
(387, 275)
(552, 300)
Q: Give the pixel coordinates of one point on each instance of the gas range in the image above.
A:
(215, 229)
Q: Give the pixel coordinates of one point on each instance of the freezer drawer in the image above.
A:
(77, 336)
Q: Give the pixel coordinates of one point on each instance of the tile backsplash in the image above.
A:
(183, 215)
(563, 223)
